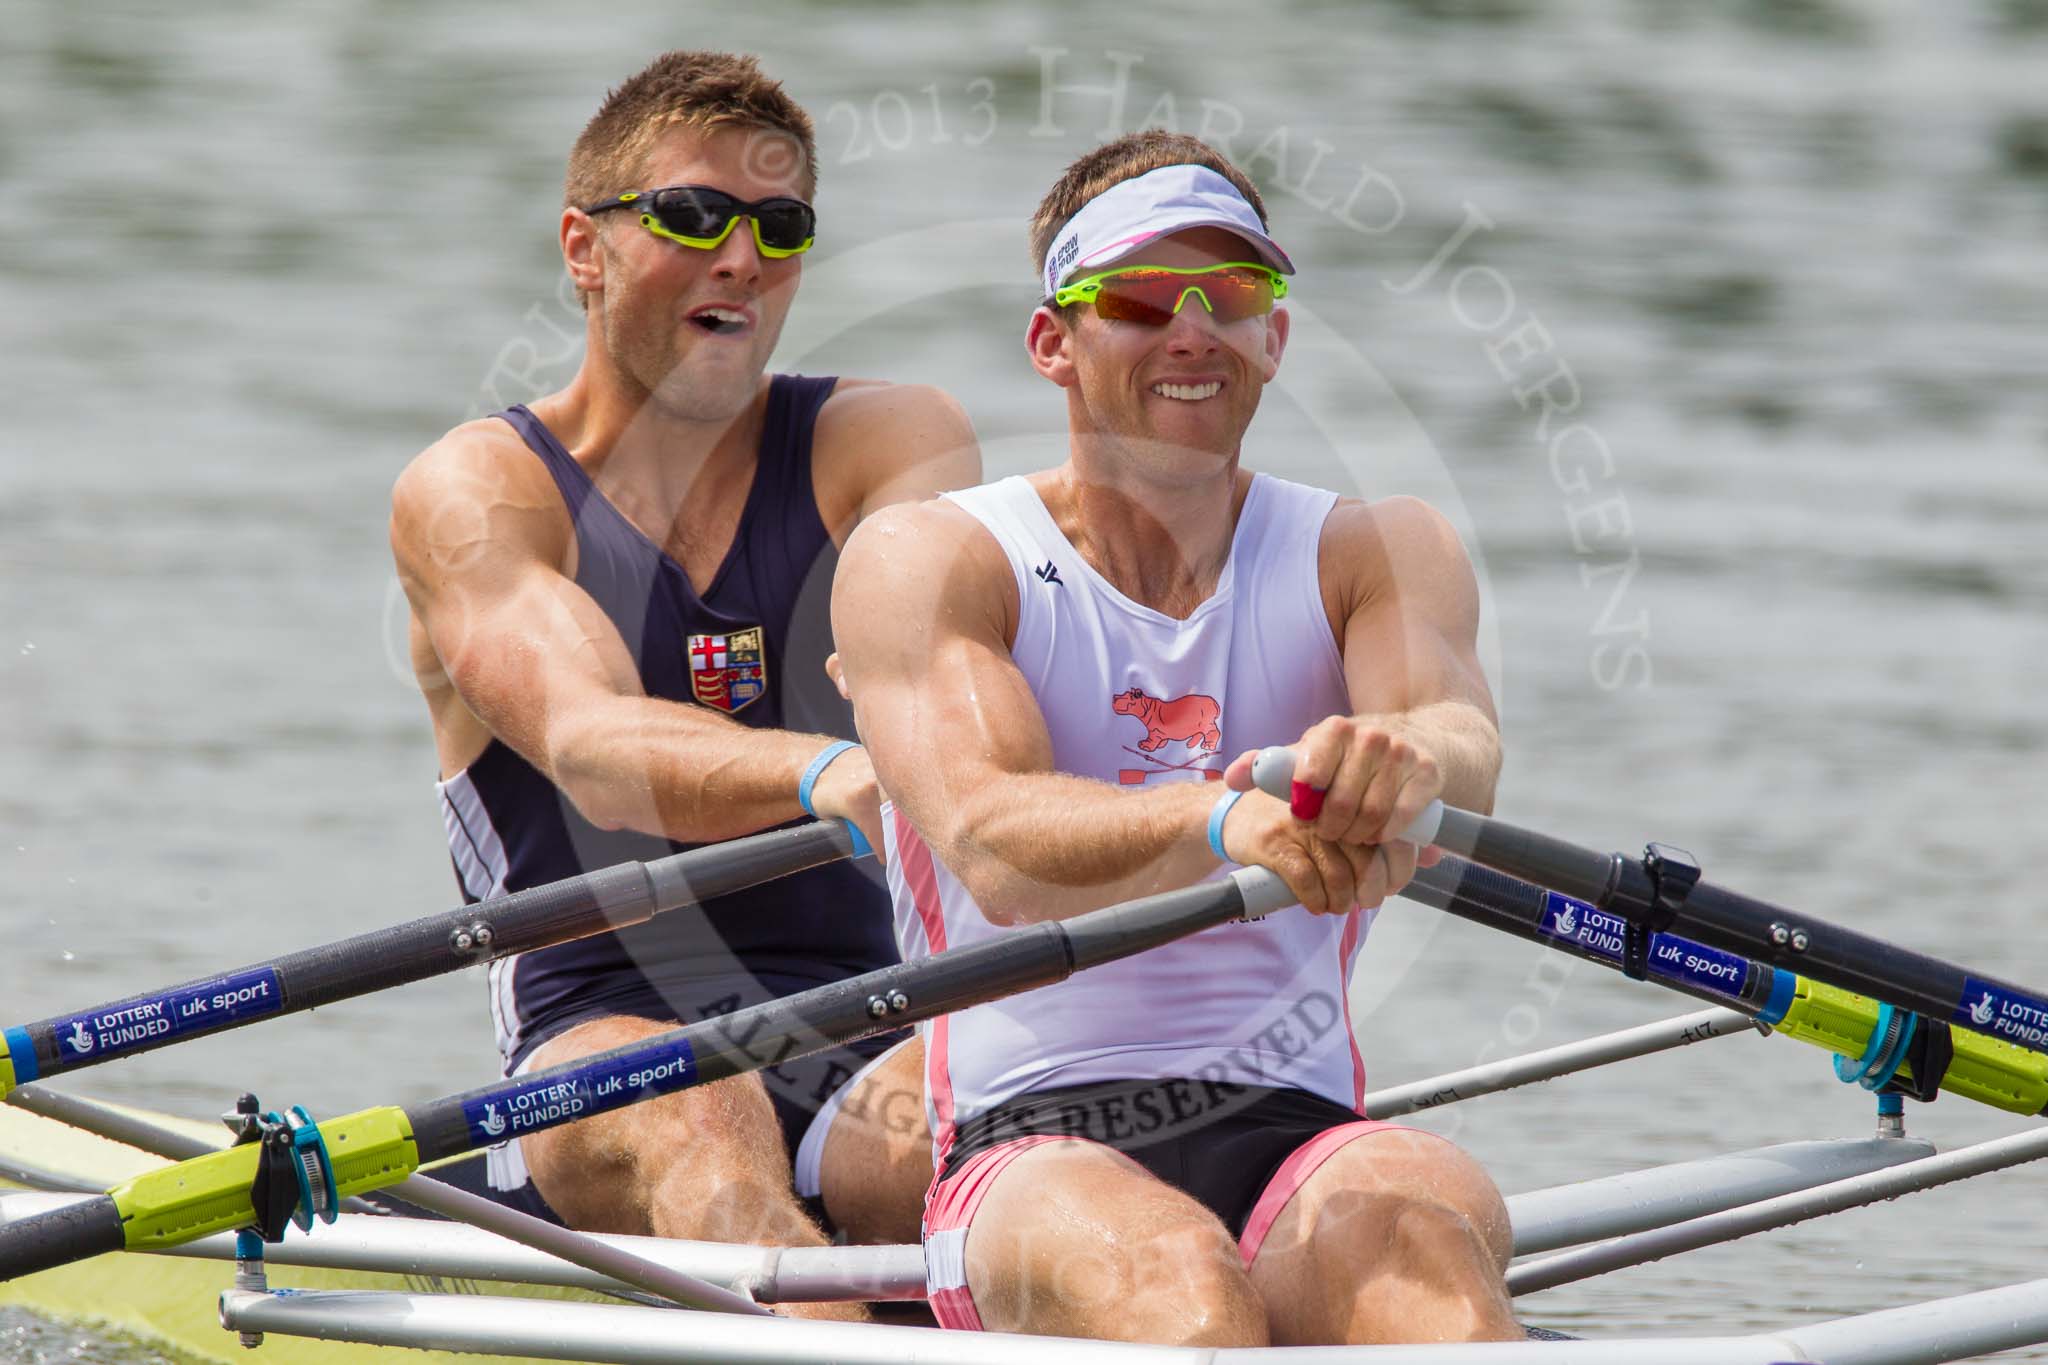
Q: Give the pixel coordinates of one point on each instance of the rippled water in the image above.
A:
(1788, 256)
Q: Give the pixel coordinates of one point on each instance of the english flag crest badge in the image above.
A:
(729, 672)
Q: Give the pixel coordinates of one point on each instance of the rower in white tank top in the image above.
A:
(1134, 697)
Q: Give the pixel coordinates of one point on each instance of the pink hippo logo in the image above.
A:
(1191, 720)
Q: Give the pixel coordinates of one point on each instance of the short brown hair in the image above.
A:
(700, 90)
(1128, 157)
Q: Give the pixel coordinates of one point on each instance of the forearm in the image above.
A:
(1040, 846)
(1464, 742)
(678, 771)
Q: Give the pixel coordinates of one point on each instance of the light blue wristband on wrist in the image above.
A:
(1217, 814)
(804, 784)
(818, 766)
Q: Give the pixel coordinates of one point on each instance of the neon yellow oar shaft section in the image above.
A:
(369, 1150)
(1988, 1070)
(205, 1195)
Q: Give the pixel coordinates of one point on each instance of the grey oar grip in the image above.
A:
(1273, 772)
(44, 1241)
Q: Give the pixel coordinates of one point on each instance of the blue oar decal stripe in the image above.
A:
(21, 1051)
(508, 1110)
(151, 1019)
(2004, 1013)
(1603, 934)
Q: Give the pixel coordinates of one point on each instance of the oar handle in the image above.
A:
(44, 1241)
(1273, 771)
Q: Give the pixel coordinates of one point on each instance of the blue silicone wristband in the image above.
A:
(818, 765)
(1217, 815)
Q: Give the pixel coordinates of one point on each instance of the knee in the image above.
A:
(1194, 1286)
(1440, 1243)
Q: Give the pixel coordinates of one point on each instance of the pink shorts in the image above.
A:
(951, 1204)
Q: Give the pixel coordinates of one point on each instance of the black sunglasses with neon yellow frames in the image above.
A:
(702, 217)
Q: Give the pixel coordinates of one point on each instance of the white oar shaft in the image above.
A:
(593, 1255)
(1529, 1068)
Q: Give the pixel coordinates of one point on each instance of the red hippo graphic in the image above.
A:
(1192, 718)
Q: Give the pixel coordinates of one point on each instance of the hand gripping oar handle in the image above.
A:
(611, 898)
(1273, 772)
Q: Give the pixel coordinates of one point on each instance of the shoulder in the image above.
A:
(919, 561)
(877, 443)
(1392, 547)
(479, 480)
(934, 531)
(1391, 527)
(881, 429)
(861, 408)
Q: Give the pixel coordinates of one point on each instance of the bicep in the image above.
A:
(1411, 635)
(478, 555)
(919, 616)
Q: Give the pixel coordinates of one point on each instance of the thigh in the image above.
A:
(601, 1173)
(1073, 1238)
(877, 1159)
(1366, 1195)
(1379, 1166)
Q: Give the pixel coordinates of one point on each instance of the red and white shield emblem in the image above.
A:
(729, 672)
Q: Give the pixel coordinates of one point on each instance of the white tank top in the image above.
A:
(1133, 698)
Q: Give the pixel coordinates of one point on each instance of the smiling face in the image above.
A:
(694, 328)
(1177, 397)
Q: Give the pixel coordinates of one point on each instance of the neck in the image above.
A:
(1162, 542)
(609, 422)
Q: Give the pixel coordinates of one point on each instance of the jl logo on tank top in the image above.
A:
(728, 671)
(1193, 721)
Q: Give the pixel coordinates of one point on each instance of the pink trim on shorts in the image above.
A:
(949, 1207)
(1303, 1162)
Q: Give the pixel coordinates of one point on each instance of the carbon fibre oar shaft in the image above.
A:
(1980, 1067)
(374, 1148)
(611, 898)
(1732, 922)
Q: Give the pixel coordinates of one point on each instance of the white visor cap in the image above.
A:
(1133, 212)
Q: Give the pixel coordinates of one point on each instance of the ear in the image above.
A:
(582, 251)
(1050, 340)
(1277, 324)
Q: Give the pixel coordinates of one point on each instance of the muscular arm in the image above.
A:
(1404, 593)
(481, 537)
(921, 614)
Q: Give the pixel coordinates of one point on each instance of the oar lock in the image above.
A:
(294, 1175)
(474, 937)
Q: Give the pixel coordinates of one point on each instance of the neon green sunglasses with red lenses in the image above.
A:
(1152, 294)
(702, 217)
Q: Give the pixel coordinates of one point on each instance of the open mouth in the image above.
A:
(721, 321)
(1189, 393)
